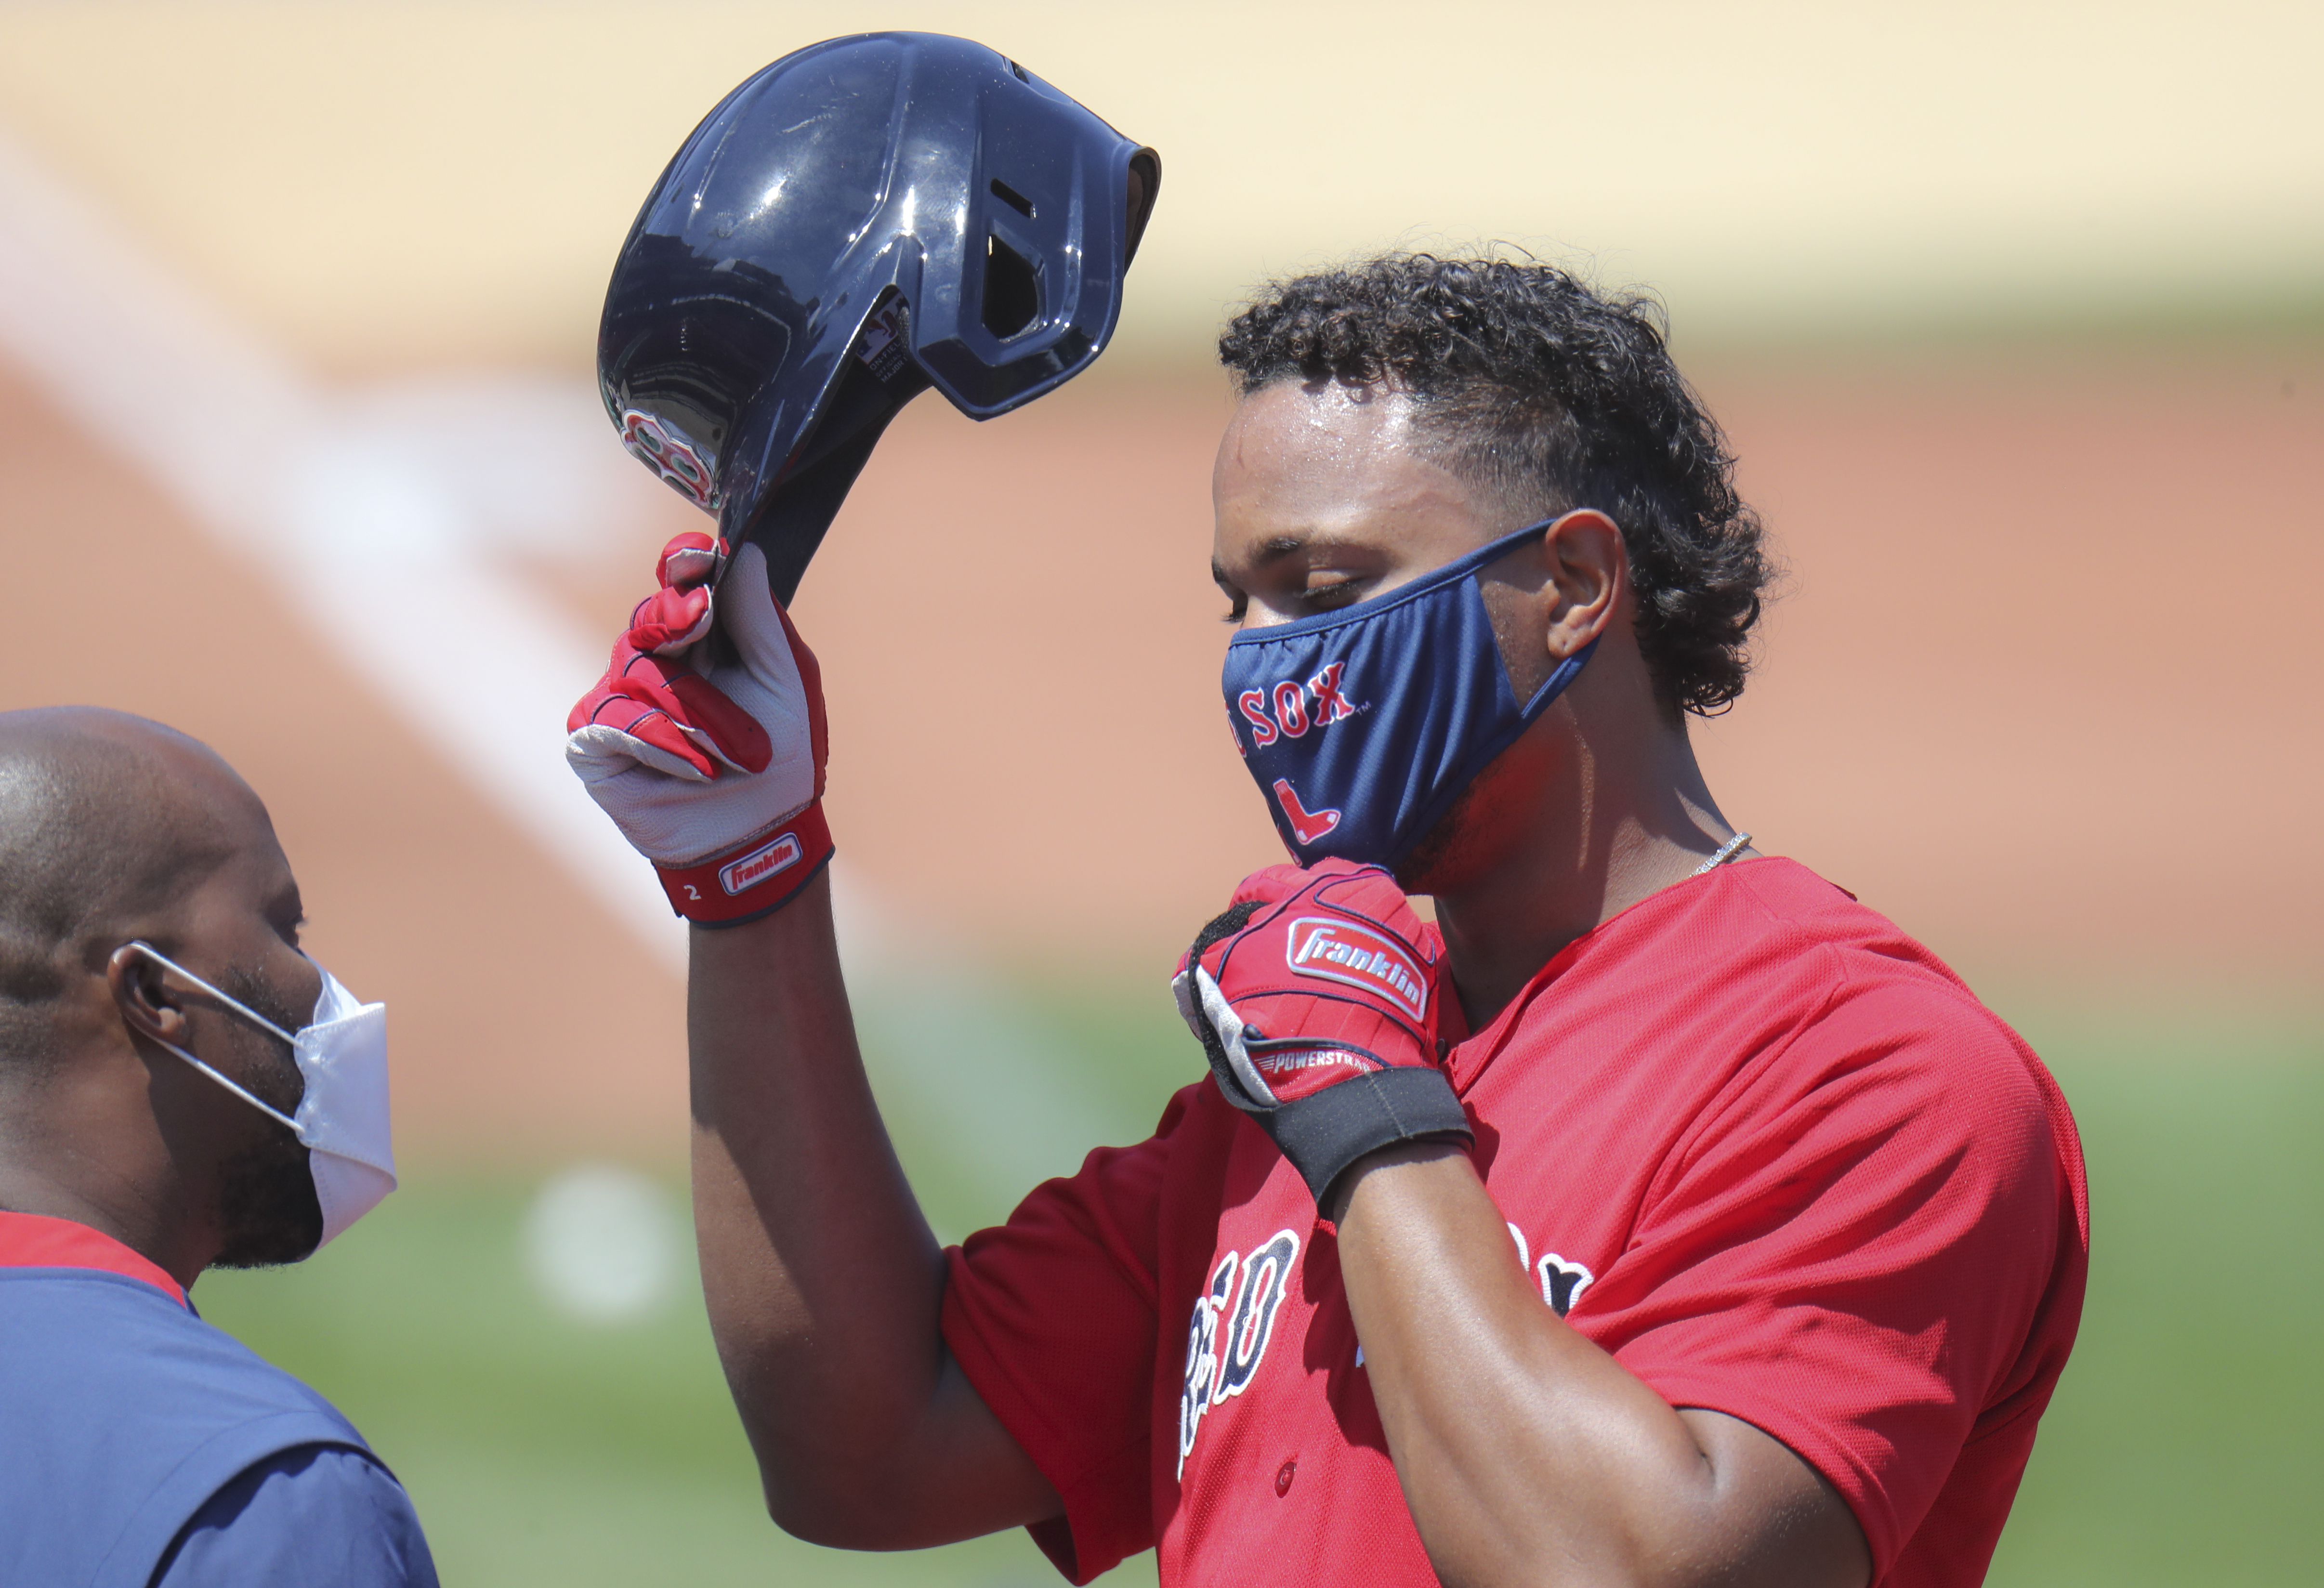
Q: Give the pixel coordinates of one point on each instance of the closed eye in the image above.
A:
(1329, 590)
(287, 914)
(1237, 602)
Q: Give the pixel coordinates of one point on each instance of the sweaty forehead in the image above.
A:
(1327, 460)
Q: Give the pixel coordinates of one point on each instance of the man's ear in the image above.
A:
(141, 991)
(1588, 570)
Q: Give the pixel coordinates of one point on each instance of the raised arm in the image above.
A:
(822, 1281)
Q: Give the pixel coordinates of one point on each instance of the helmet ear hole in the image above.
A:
(1012, 198)
(1012, 290)
(1144, 183)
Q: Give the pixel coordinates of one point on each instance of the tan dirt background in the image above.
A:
(2041, 688)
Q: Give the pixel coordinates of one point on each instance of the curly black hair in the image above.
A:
(1555, 396)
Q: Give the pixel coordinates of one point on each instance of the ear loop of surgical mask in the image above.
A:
(239, 1008)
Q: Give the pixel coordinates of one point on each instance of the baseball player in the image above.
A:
(1658, 1214)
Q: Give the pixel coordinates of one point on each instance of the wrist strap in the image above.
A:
(1323, 1134)
(753, 879)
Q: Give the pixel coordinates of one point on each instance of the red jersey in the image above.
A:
(1750, 1138)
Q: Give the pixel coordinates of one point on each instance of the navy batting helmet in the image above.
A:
(864, 218)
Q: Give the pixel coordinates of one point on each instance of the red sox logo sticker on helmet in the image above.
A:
(670, 455)
(1342, 951)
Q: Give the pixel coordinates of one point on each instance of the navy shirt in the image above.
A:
(145, 1447)
(317, 1514)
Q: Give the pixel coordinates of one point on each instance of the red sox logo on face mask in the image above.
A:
(668, 453)
(1291, 708)
(1307, 826)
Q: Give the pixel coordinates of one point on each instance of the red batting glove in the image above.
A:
(1310, 997)
(711, 770)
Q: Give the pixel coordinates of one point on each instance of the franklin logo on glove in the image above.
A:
(1362, 957)
(1331, 1073)
(742, 875)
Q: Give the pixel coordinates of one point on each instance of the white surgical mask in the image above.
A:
(343, 1118)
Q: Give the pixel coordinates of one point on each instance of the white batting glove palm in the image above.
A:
(708, 751)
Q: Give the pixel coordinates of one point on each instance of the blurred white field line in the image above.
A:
(603, 1244)
(372, 542)
(390, 519)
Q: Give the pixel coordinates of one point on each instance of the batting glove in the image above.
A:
(1311, 996)
(708, 751)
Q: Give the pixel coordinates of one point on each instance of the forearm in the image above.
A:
(822, 1281)
(825, 1286)
(1528, 1454)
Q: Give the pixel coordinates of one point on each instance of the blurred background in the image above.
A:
(2016, 315)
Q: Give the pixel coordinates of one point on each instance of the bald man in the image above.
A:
(181, 1089)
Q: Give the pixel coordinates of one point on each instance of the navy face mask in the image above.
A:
(1362, 726)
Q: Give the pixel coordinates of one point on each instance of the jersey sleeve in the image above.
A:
(1051, 1318)
(318, 1513)
(1853, 1250)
